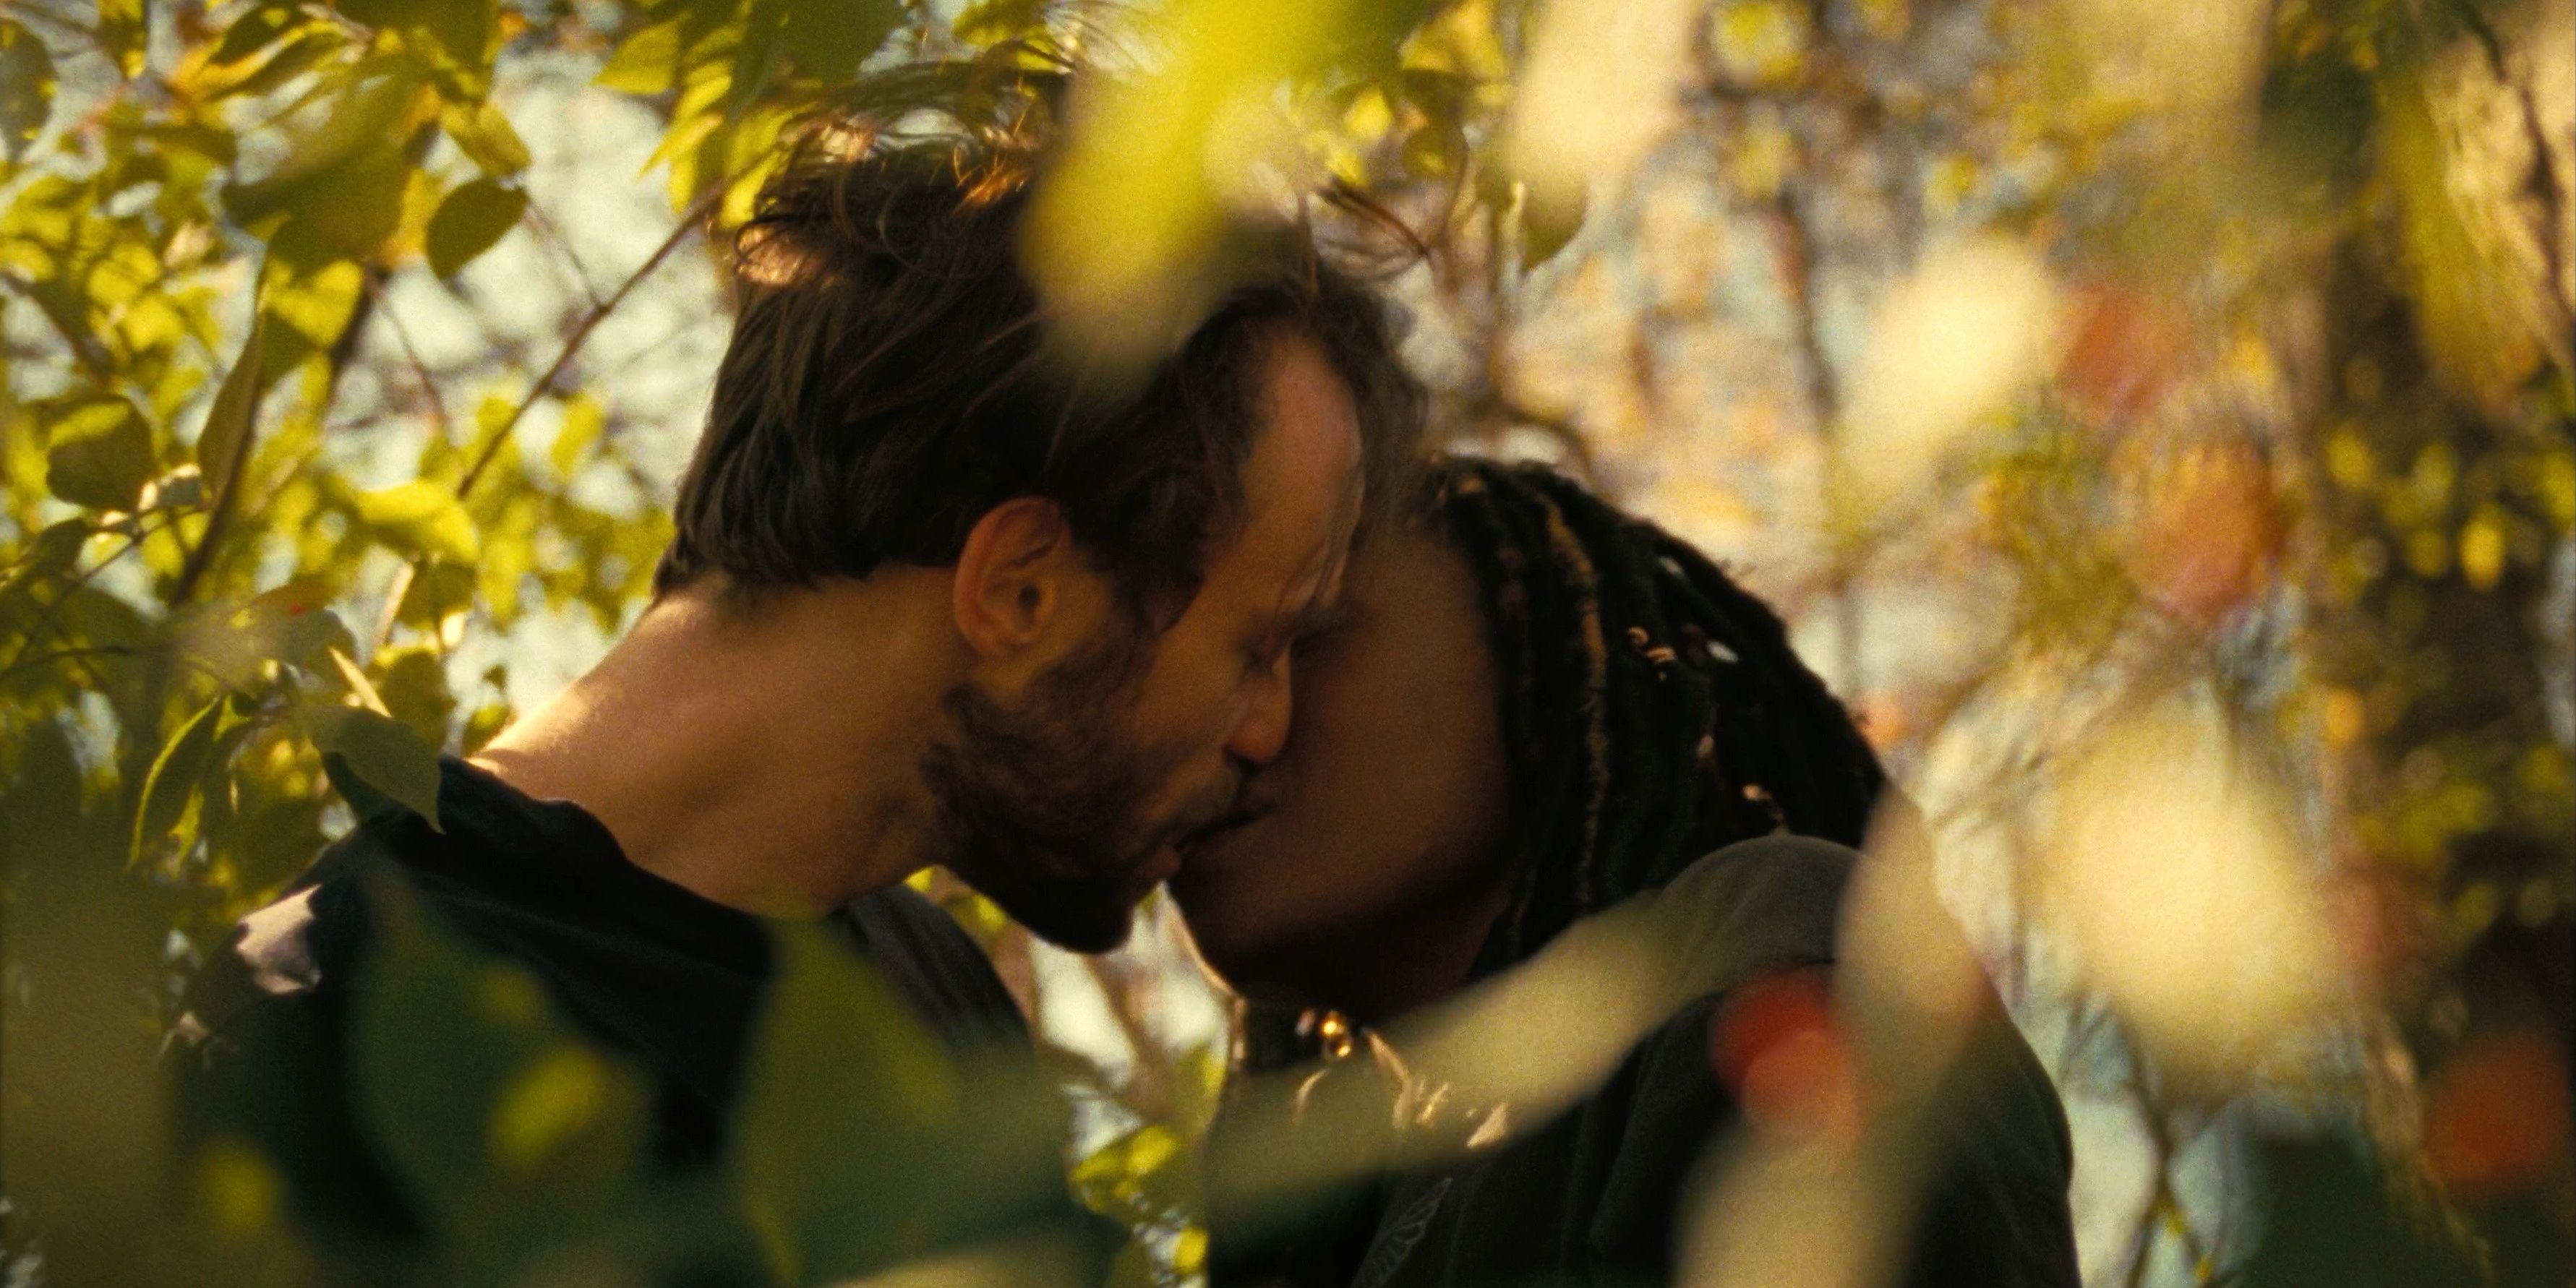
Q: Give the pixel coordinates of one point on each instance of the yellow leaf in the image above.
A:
(553, 1101)
(360, 687)
(485, 136)
(421, 518)
(237, 1188)
(2482, 550)
(583, 423)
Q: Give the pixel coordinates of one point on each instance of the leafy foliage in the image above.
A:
(233, 613)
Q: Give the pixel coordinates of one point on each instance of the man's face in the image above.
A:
(1069, 800)
(1384, 817)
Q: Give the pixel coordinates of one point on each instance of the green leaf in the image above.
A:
(267, 46)
(421, 518)
(375, 760)
(124, 27)
(854, 1142)
(343, 179)
(412, 682)
(470, 221)
(173, 779)
(228, 423)
(830, 38)
(511, 1131)
(307, 289)
(53, 551)
(291, 60)
(485, 136)
(648, 61)
(990, 22)
(183, 488)
(311, 633)
(101, 455)
(1547, 225)
(26, 87)
(584, 421)
(258, 28)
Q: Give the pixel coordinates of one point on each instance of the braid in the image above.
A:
(1653, 710)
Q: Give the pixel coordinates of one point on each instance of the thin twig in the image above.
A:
(411, 355)
(42, 660)
(492, 443)
(553, 237)
(689, 221)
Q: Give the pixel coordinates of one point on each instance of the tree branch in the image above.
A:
(689, 221)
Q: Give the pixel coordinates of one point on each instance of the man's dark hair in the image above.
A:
(892, 377)
(1653, 710)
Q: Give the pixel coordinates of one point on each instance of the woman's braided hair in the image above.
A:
(1652, 708)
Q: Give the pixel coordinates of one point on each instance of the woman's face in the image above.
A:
(1371, 839)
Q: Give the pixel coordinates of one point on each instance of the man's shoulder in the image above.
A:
(298, 946)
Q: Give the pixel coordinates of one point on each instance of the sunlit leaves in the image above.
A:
(469, 221)
(421, 518)
(494, 1112)
(2472, 270)
(990, 22)
(345, 174)
(123, 29)
(308, 289)
(226, 437)
(584, 421)
(374, 760)
(26, 87)
(193, 762)
(1760, 44)
(266, 47)
(1976, 325)
(2174, 872)
(858, 1141)
(739, 68)
(828, 39)
(650, 59)
(1125, 237)
(101, 452)
(455, 39)
(1597, 88)
(485, 136)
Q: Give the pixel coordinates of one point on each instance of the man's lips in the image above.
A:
(1233, 820)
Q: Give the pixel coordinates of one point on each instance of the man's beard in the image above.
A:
(1043, 803)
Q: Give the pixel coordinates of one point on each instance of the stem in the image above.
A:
(411, 356)
(491, 447)
(689, 221)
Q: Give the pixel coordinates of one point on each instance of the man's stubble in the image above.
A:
(1042, 802)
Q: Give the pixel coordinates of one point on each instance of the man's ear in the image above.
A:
(1013, 576)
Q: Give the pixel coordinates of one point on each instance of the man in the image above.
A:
(939, 594)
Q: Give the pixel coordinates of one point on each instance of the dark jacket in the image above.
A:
(1600, 1193)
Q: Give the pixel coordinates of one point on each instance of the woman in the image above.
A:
(1537, 710)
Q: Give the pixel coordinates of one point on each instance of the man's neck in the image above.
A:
(763, 757)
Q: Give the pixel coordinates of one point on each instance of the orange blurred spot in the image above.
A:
(1883, 719)
(1777, 1045)
(2127, 350)
(2206, 532)
(2495, 1118)
(2368, 913)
